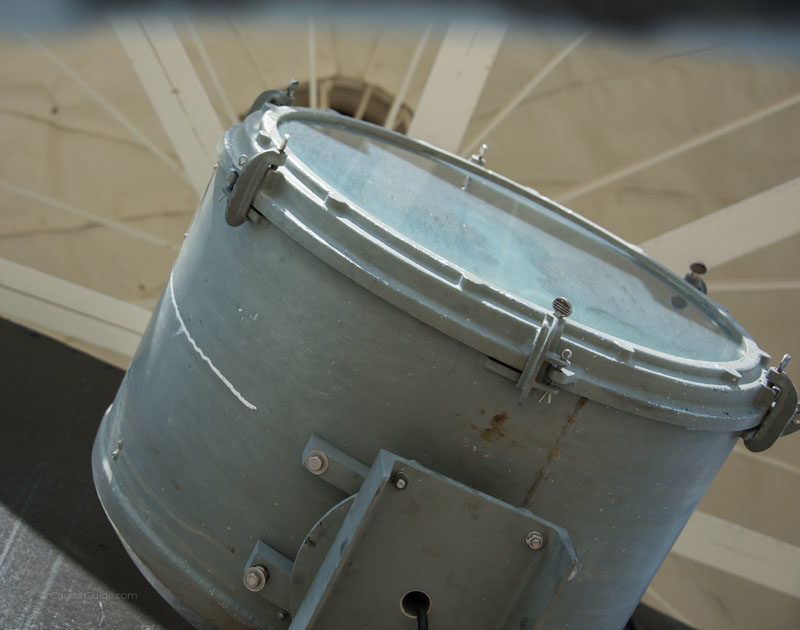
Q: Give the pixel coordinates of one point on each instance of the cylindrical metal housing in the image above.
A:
(323, 318)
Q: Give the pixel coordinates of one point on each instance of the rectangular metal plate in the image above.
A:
(466, 550)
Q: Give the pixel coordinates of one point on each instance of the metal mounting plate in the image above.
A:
(464, 549)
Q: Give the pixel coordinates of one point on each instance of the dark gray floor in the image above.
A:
(61, 564)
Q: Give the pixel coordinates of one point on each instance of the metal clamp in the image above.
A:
(782, 416)
(243, 186)
(274, 97)
(542, 361)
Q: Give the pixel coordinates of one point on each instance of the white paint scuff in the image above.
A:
(202, 354)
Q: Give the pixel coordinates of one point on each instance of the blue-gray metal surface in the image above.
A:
(318, 321)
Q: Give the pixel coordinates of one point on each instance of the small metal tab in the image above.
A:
(543, 368)
(275, 97)
(697, 269)
(782, 412)
(478, 158)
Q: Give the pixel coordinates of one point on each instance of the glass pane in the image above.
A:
(511, 242)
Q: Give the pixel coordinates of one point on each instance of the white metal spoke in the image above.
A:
(90, 216)
(213, 75)
(732, 232)
(176, 94)
(312, 64)
(115, 113)
(400, 97)
(455, 83)
(742, 552)
(683, 147)
(512, 104)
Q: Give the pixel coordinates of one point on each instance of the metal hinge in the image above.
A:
(242, 186)
(782, 415)
(544, 369)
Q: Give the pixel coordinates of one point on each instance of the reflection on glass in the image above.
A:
(509, 241)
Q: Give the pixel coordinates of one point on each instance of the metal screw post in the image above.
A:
(562, 307)
(284, 142)
(115, 453)
(534, 540)
(784, 362)
(255, 578)
(284, 615)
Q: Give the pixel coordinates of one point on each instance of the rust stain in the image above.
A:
(553, 454)
(483, 411)
(177, 487)
(232, 549)
(495, 430)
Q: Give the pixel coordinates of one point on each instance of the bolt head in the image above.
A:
(562, 307)
(255, 578)
(316, 462)
(242, 160)
(698, 267)
(283, 615)
(534, 540)
(400, 481)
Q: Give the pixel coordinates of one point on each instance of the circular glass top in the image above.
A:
(512, 242)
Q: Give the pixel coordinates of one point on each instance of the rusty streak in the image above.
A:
(553, 453)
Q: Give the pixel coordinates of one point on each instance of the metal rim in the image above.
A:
(700, 394)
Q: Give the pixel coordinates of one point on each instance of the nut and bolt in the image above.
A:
(242, 160)
(566, 354)
(400, 481)
(255, 578)
(562, 307)
(317, 462)
(534, 540)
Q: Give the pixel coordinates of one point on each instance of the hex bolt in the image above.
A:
(534, 540)
(566, 354)
(242, 160)
(255, 578)
(562, 307)
(317, 462)
(400, 481)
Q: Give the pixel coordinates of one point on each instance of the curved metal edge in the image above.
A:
(726, 396)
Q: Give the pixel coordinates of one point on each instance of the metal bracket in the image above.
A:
(543, 368)
(782, 416)
(504, 564)
(243, 186)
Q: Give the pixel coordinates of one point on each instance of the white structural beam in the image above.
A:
(400, 97)
(742, 286)
(742, 552)
(43, 300)
(678, 149)
(520, 96)
(732, 232)
(312, 64)
(213, 75)
(455, 83)
(176, 93)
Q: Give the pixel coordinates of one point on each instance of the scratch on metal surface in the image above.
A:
(553, 453)
(202, 354)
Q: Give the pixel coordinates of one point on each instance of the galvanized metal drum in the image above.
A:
(359, 401)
